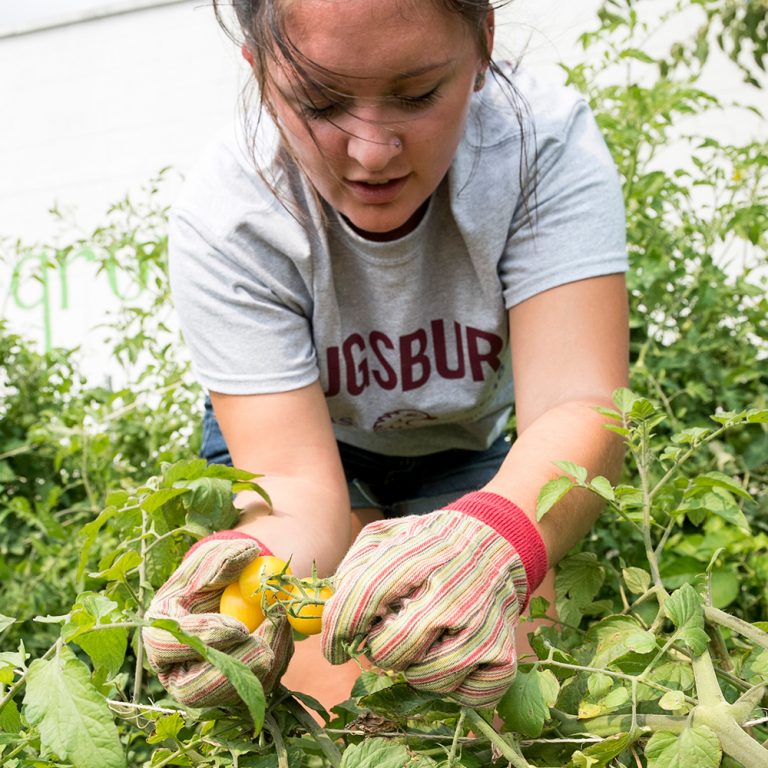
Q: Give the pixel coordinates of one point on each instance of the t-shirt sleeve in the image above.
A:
(243, 307)
(573, 226)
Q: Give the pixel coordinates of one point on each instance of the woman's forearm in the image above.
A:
(572, 431)
(308, 522)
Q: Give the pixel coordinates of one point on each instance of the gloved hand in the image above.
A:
(191, 596)
(438, 596)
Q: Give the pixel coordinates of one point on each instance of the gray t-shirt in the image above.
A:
(408, 338)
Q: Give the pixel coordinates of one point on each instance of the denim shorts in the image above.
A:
(397, 485)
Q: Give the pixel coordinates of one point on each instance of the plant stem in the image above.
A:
(330, 750)
(514, 757)
(277, 737)
(138, 675)
(455, 743)
(716, 616)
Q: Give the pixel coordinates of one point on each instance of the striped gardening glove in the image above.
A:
(438, 596)
(191, 597)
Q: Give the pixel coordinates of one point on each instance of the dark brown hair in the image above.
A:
(259, 26)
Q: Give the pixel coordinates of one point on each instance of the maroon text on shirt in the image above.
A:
(411, 360)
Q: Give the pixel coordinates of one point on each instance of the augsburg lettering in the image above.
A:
(410, 361)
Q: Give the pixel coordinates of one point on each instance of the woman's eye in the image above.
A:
(420, 101)
(317, 111)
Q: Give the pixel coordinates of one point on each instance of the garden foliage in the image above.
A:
(660, 658)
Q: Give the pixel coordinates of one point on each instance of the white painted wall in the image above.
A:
(91, 111)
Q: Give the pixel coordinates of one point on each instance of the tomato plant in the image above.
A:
(259, 580)
(305, 611)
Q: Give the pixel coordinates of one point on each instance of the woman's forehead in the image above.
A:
(375, 38)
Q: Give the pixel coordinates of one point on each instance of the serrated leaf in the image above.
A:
(370, 682)
(525, 706)
(616, 636)
(685, 610)
(106, 648)
(121, 567)
(376, 753)
(720, 480)
(187, 469)
(638, 581)
(210, 503)
(166, 727)
(580, 473)
(551, 493)
(10, 719)
(159, 499)
(697, 746)
(757, 416)
(72, 716)
(401, 700)
(578, 580)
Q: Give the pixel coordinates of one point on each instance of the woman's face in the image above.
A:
(378, 138)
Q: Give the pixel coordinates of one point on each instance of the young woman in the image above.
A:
(403, 229)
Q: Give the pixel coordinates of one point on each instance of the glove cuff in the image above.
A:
(509, 521)
(227, 536)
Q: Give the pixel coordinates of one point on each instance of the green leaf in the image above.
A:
(5, 622)
(160, 498)
(672, 700)
(370, 682)
(720, 480)
(401, 700)
(578, 580)
(617, 636)
(580, 473)
(685, 610)
(525, 706)
(697, 746)
(602, 487)
(638, 581)
(600, 755)
(106, 648)
(637, 54)
(551, 493)
(210, 503)
(10, 719)
(166, 727)
(381, 753)
(73, 718)
(121, 567)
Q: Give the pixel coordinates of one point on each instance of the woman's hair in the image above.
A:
(259, 26)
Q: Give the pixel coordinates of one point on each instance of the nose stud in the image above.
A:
(396, 143)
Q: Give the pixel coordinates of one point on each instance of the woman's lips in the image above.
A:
(377, 193)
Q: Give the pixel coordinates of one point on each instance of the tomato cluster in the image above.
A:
(261, 585)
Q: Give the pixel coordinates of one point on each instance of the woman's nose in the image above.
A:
(372, 145)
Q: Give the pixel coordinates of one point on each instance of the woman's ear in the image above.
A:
(247, 54)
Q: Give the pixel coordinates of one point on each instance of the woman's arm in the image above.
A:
(289, 439)
(569, 353)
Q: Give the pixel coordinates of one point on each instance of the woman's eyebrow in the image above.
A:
(423, 70)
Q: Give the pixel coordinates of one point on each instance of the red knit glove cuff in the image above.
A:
(509, 521)
(229, 534)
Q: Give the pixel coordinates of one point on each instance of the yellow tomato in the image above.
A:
(254, 574)
(233, 604)
(308, 618)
